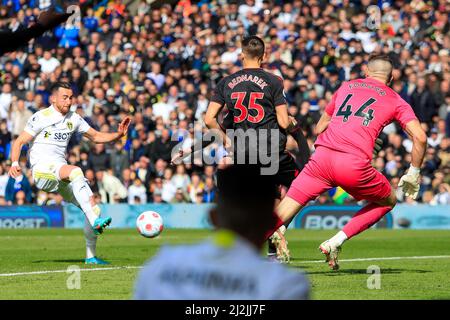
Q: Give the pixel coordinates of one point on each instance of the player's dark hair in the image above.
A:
(246, 200)
(385, 58)
(380, 56)
(253, 47)
(61, 84)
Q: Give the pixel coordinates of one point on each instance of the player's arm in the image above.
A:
(302, 145)
(215, 105)
(16, 148)
(419, 139)
(211, 115)
(325, 119)
(408, 121)
(285, 121)
(323, 123)
(410, 181)
(211, 118)
(105, 137)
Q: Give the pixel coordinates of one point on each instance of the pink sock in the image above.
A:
(365, 218)
(278, 224)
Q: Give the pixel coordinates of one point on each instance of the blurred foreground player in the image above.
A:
(48, 132)
(228, 265)
(356, 114)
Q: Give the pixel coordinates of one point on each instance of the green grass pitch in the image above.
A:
(27, 251)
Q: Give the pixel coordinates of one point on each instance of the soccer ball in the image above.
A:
(149, 224)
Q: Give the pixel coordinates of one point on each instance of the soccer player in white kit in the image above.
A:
(48, 132)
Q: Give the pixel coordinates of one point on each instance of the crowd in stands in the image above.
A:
(160, 63)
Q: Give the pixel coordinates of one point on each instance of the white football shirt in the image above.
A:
(52, 131)
(223, 268)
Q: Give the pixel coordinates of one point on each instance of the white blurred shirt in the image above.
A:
(5, 102)
(48, 66)
(222, 268)
(163, 109)
(137, 191)
(3, 183)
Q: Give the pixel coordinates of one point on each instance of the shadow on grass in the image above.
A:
(343, 271)
(60, 261)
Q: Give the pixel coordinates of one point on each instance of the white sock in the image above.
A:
(91, 240)
(82, 192)
(339, 238)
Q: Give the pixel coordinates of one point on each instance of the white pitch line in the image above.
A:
(379, 259)
(299, 262)
(64, 271)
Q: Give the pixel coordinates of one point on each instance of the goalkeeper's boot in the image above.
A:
(331, 252)
(95, 260)
(100, 224)
(280, 242)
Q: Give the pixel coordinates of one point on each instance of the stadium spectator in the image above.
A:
(20, 198)
(127, 177)
(19, 117)
(21, 183)
(68, 35)
(210, 190)
(119, 159)
(195, 188)
(442, 197)
(180, 179)
(5, 139)
(137, 191)
(3, 181)
(99, 158)
(85, 163)
(90, 22)
(168, 187)
(48, 63)
(91, 180)
(5, 100)
(110, 188)
(157, 197)
(180, 196)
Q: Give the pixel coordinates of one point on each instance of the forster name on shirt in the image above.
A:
(354, 85)
(210, 280)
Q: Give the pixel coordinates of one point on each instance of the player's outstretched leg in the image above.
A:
(65, 189)
(83, 194)
(79, 193)
(362, 220)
